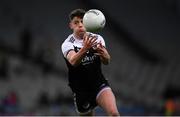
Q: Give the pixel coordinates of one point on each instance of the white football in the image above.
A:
(94, 20)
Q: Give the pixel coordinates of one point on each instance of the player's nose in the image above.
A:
(81, 24)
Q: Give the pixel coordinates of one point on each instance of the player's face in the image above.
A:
(77, 26)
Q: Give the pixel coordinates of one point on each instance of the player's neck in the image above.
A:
(78, 37)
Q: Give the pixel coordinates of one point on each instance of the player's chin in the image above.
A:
(82, 32)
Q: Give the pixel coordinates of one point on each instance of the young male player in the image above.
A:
(84, 52)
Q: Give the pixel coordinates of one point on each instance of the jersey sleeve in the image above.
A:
(66, 47)
(100, 38)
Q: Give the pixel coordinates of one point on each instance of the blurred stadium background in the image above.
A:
(143, 38)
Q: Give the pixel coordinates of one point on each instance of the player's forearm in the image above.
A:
(105, 59)
(76, 58)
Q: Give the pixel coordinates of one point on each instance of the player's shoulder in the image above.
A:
(69, 40)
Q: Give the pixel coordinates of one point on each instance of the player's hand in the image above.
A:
(100, 49)
(89, 41)
(102, 52)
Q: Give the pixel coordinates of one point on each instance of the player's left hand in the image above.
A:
(100, 50)
(102, 53)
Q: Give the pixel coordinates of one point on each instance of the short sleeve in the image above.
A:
(66, 47)
(100, 38)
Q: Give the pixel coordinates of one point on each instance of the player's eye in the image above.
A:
(76, 22)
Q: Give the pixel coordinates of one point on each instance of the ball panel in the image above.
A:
(94, 20)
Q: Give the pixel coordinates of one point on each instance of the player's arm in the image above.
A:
(75, 58)
(103, 53)
(105, 57)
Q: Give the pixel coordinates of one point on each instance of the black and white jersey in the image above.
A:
(87, 76)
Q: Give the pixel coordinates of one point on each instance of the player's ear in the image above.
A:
(70, 25)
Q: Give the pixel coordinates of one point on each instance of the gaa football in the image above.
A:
(94, 20)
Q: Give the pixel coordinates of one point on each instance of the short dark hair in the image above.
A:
(77, 13)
